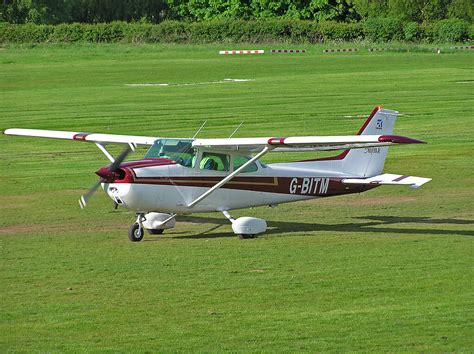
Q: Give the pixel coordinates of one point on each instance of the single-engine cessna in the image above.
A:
(181, 176)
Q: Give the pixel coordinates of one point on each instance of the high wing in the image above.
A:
(304, 143)
(90, 137)
(376, 132)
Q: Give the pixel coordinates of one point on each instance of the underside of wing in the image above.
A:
(304, 143)
(90, 137)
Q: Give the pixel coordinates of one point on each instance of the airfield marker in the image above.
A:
(240, 52)
(340, 50)
(288, 50)
(464, 47)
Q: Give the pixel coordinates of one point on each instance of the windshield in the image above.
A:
(179, 150)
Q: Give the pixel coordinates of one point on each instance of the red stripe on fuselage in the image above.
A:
(151, 162)
(304, 186)
(337, 157)
(128, 174)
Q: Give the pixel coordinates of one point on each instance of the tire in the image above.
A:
(155, 231)
(246, 236)
(135, 233)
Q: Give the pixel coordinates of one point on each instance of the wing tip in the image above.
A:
(418, 184)
(398, 139)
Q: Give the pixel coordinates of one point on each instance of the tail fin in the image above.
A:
(370, 161)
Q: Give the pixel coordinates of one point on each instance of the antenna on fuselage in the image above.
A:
(235, 131)
(202, 126)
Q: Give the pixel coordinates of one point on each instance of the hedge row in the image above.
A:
(377, 29)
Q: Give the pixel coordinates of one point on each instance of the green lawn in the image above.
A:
(388, 270)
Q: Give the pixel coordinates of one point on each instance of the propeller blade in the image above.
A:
(85, 197)
(116, 164)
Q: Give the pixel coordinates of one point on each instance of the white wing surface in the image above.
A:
(92, 137)
(304, 143)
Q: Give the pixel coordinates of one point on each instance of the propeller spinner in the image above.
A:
(107, 173)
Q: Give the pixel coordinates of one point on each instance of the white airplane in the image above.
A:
(182, 176)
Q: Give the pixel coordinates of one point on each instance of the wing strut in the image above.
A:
(229, 177)
(105, 151)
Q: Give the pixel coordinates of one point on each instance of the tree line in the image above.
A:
(156, 11)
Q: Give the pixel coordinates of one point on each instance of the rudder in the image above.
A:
(369, 162)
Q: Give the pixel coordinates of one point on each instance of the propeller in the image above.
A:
(107, 172)
(85, 197)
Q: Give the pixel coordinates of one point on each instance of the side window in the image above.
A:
(240, 160)
(214, 162)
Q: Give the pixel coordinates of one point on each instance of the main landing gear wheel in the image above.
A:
(155, 231)
(246, 236)
(135, 233)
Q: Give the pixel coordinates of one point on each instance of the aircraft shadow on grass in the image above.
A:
(375, 224)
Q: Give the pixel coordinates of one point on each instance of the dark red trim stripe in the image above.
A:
(207, 181)
(276, 141)
(278, 185)
(341, 156)
(80, 136)
(400, 178)
(397, 139)
(366, 123)
(147, 163)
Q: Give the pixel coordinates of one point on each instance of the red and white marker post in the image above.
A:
(241, 52)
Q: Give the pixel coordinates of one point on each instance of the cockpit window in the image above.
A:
(214, 161)
(240, 160)
(179, 150)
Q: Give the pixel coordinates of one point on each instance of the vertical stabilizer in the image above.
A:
(369, 162)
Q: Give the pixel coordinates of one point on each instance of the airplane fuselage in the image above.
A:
(163, 185)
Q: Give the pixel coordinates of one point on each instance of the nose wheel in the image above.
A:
(135, 233)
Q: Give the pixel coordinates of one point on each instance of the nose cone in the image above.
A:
(106, 174)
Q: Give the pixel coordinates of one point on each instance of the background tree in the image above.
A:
(462, 9)
(154, 11)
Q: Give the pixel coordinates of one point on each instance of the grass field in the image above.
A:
(388, 270)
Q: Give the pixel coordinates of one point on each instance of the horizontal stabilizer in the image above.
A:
(388, 178)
